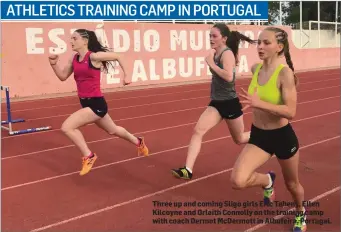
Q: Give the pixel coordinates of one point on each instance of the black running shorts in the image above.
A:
(228, 109)
(282, 142)
(97, 104)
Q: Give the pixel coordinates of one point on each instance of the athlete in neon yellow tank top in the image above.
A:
(272, 97)
(268, 92)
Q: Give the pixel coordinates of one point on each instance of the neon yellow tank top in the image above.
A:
(268, 92)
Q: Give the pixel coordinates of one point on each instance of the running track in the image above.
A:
(42, 191)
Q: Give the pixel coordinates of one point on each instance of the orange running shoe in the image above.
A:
(87, 164)
(142, 149)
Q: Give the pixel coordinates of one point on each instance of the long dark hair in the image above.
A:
(94, 45)
(233, 38)
(282, 37)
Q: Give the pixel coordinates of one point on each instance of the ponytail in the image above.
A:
(233, 42)
(289, 62)
(94, 45)
(233, 38)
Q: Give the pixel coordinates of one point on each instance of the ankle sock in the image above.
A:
(188, 169)
(91, 155)
(139, 141)
(270, 182)
(301, 212)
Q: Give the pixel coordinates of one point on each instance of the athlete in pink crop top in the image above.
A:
(86, 65)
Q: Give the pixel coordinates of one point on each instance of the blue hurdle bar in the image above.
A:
(29, 130)
(13, 121)
(9, 120)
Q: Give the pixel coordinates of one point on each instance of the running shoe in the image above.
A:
(142, 149)
(87, 163)
(182, 173)
(300, 222)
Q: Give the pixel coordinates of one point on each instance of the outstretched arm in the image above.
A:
(108, 56)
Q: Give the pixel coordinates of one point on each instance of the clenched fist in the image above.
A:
(53, 59)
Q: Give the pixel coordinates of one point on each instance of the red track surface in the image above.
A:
(41, 188)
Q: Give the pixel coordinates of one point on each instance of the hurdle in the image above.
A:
(11, 121)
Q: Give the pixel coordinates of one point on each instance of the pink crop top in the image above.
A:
(87, 77)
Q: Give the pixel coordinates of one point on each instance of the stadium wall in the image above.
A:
(156, 54)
